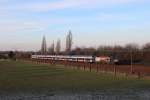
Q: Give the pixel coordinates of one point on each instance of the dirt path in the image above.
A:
(91, 95)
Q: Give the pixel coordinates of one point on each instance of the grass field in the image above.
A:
(27, 76)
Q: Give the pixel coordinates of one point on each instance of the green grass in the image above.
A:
(26, 76)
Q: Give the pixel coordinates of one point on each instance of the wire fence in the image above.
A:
(139, 70)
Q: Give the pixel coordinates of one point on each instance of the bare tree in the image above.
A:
(104, 50)
(132, 46)
(69, 42)
(51, 50)
(146, 47)
(146, 53)
(58, 46)
(43, 46)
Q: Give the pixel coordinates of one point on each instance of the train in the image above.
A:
(74, 58)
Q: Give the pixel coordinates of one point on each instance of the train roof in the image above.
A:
(63, 56)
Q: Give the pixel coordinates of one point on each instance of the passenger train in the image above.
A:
(73, 58)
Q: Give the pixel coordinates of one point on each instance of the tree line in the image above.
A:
(139, 54)
(124, 53)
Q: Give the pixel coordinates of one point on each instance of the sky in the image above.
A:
(23, 23)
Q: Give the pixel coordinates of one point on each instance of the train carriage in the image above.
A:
(72, 58)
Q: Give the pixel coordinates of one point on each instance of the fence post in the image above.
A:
(139, 75)
(84, 66)
(97, 67)
(115, 70)
(90, 67)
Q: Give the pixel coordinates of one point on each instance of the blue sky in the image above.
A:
(92, 22)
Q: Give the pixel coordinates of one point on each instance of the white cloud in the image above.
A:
(113, 17)
(8, 25)
(64, 4)
(13, 27)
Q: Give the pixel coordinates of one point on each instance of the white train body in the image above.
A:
(75, 58)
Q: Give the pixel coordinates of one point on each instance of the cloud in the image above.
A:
(65, 4)
(114, 17)
(10, 23)
(13, 25)
(16, 26)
